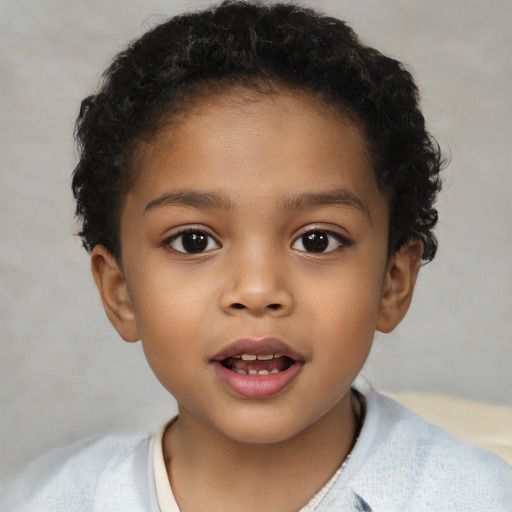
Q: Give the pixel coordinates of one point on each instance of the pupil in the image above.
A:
(194, 242)
(315, 242)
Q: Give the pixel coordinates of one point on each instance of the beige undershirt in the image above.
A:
(165, 496)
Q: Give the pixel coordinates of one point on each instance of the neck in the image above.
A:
(205, 466)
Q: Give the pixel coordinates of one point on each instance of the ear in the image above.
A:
(111, 284)
(399, 282)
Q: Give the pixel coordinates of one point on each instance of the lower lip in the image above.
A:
(257, 386)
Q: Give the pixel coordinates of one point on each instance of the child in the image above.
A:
(256, 190)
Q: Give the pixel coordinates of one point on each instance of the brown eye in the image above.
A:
(319, 241)
(193, 242)
(315, 242)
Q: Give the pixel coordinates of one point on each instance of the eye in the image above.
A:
(319, 241)
(192, 241)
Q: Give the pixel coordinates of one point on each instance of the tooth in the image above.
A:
(253, 372)
(241, 372)
(263, 372)
(265, 357)
(236, 357)
(275, 370)
(277, 356)
(248, 357)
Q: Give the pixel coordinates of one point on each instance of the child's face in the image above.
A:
(285, 248)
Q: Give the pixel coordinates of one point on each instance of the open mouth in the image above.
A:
(257, 364)
(257, 367)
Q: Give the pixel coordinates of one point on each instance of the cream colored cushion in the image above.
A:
(479, 423)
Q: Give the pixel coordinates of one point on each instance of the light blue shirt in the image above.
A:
(399, 463)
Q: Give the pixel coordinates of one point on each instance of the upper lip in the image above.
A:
(257, 346)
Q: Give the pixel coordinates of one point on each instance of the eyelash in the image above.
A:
(204, 241)
(326, 237)
(201, 237)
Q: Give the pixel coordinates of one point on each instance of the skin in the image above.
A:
(255, 279)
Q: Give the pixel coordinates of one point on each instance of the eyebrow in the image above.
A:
(204, 200)
(218, 200)
(342, 196)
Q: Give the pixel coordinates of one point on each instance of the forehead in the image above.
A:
(251, 145)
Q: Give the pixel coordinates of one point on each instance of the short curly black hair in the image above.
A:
(255, 45)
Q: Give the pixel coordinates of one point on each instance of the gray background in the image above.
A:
(64, 372)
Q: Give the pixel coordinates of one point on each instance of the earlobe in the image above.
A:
(401, 274)
(114, 294)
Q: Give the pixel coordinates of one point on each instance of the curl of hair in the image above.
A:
(256, 46)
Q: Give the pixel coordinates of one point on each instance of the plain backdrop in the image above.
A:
(64, 372)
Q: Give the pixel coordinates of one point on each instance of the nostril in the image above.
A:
(238, 305)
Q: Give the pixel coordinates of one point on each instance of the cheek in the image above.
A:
(170, 312)
(169, 329)
(165, 293)
(345, 314)
(350, 296)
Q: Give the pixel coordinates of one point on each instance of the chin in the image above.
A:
(263, 428)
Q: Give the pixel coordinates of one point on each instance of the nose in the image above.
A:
(256, 285)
